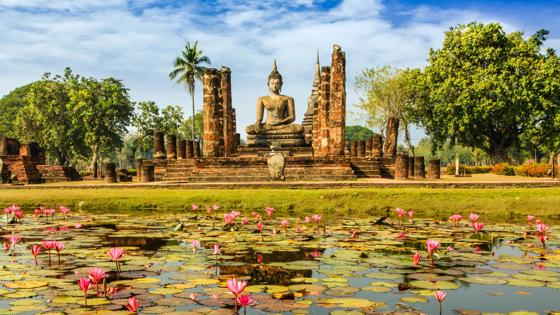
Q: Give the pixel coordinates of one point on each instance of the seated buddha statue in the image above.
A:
(280, 115)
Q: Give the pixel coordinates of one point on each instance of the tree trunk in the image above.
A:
(192, 100)
(95, 157)
(498, 155)
(407, 140)
(391, 136)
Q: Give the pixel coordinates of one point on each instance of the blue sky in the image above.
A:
(136, 41)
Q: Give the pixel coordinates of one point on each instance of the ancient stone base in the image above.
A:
(276, 140)
(57, 173)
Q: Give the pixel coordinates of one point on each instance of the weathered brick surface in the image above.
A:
(228, 122)
(57, 173)
(171, 147)
(159, 147)
(377, 145)
(182, 149)
(110, 172)
(419, 167)
(361, 148)
(411, 166)
(391, 136)
(196, 149)
(139, 169)
(368, 147)
(354, 149)
(401, 166)
(148, 173)
(337, 103)
(434, 169)
(213, 129)
(190, 149)
(321, 120)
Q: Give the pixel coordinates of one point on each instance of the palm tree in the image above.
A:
(187, 68)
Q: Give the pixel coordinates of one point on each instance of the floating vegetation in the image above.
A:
(192, 263)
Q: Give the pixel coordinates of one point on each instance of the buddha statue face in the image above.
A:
(275, 82)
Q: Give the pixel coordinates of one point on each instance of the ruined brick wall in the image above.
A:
(337, 112)
(227, 111)
(321, 120)
(213, 116)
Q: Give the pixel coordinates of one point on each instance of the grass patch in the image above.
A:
(497, 203)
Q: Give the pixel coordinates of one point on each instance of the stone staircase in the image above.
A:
(22, 167)
(373, 167)
(255, 169)
(57, 174)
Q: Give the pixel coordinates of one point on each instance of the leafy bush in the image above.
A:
(467, 169)
(534, 170)
(503, 169)
(85, 173)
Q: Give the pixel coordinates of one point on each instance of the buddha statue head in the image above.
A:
(275, 79)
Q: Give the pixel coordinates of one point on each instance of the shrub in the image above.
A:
(534, 170)
(85, 173)
(466, 169)
(503, 169)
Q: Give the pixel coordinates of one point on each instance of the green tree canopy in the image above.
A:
(185, 128)
(357, 133)
(485, 88)
(172, 119)
(10, 105)
(146, 120)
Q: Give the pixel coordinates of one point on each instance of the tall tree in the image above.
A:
(103, 110)
(10, 105)
(386, 98)
(146, 120)
(46, 118)
(357, 133)
(485, 88)
(188, 68)
(185, 127)
(172, 119)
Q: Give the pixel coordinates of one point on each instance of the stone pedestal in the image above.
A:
(190, 149)
(139, 169)
(110, 172)
(147, 173)
(434, 169)
(282, 140)
(159, 148)
(182, 150)
(391, 136)
(419, 167)
(361, 148)
(196, 149)
(411, 166)
(377, 145)
(401, 166)
(171, 146)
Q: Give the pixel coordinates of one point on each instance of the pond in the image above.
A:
(318, 265)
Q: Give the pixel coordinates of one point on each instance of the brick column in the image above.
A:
(159, 147)
(110, 172)
(361, 148)
(321, 120)
(377, 145)
(354, 149)
(411, 166)
(213, 130)
(182, 149)
(337, 110)
(190, 147)
(368, 147)
(196, 149)
(171, 146)
(434, 169)
(419, 167)
(148, 173)
(391, 136)
(401, 166)
(139, 169)
(227, 111)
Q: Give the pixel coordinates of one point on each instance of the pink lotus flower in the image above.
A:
(96, 275)
(478, 226)
(209, 211)
(473, 217)
(416, 258)
(58, 246)
(455, 219)
(260, 227)
(37, 212)
(194, 207)
(285, 224)
(431, 247)
(18, 214)
(14, 239)
(543, 239)
(195, 245)
(315, 254)
(542, 228)
(245, 221)
(216, 207)
(316, 218)
(132, 305)
(35, 250)
(236, 287)
(259, 259)
(78, 225)
(48, 245)
(298, 229)
(245, 300)
(116, 253)
(440, 295)
(235, 214)
(64, 211)
(269, 212)
(450, 249)
(400, 212)
(228, 218)
(216, 249)
(85, 285)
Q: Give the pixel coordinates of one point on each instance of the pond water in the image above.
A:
(335, 266)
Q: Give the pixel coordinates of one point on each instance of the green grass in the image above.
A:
(496, 203)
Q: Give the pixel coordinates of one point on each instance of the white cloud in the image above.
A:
(137, 44)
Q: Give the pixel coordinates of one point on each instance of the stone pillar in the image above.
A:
(182, 149)
(228, 131)
(353, 149)
(196, 149)
(110, 172)
(147, 173)
(401, 166)
(434, 169)
(171, 146)
(190, 149)
(139, 169)
(213, 130)
(391, 136)
(419, 167)
(368, 147)
(361, 148)
(337, 103)
(159, 149)
(321, 120)
(411, 166)
(377, 145)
